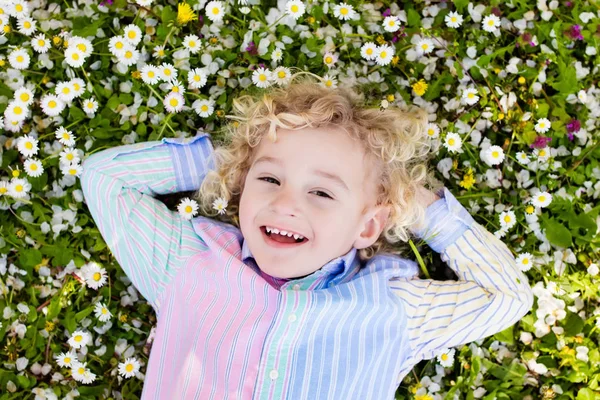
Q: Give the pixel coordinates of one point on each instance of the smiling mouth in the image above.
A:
(271, 234)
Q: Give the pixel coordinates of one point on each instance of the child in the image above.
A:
(332, 312)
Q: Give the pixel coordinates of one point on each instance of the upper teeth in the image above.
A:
(284, 233)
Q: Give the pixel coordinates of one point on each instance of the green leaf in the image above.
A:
(461, 4)
(29, 258)
(506, 336)
(557, 234)
(23, 381)
(567, 79)
(586, 394)
(83, 26)
(53, 309)
(168, 14)
(573, 324)
(413, 17)
(82, 314)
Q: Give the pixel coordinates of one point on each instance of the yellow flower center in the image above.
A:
(506, 218)
(262, 77)
(24, 97)
(119, 45)
(69, 156)
(20, 58)
(19, 7)
(97, 276)
(451, 142)
(151, 74)
(129, 367)
(82, 47)
(383, 54)
(27, 24)
(196, 78)
(72, 171)
(131, 34)
(453, 19)
(328, 60)
(215, 10)
(66, 90)
(18, 110)
(295, 8)
(281, 74)
(33, 167)
(66, 136)
(542, 153)
(495, 154)
(192, 43)
(188, 209)
(75, 56)
(471, 95)
(41, 43)
(369, 51)
(542, 198)
(344, 11)
(104, 310)
(78, 338)
(29, 145)
(174, 102)
(526, 261)
(19, 188)
(3, 190)
(444, 357)
(424, 46)
(128, 54)
(67, 360)
(204, 108)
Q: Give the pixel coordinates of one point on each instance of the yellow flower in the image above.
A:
(391, 97)
(185, 14)
(420, 87)
(136, 74)
(423, 397)
(521, 80)
(395, 60)
(468, 180)
(380, 40)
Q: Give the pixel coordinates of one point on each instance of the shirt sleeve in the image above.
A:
(490, 295)
(149, 241)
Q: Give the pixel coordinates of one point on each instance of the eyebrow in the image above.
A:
(332, 177)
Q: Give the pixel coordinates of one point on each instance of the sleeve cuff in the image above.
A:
(445, 221)
(192, 159)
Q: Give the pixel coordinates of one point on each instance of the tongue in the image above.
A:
(282, 239)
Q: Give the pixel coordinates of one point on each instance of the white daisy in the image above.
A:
(80, 339)
(542, 199)
(188, 208)
(542, 154)
(72, 169)
(197, 78)
(69, 155)
(74, 57)
(391, 23)
(150, 74)
(507, 220)
(81, 373)
(453, 19)
(129, 57)
(523, 158)
(33, 167)
(446, 358)
(330, 59)
(174, 102)
(12, 125)
(117, 45)
(214, 10)
(432, 130)
(40, 43)
(78, 85)
(159, 52)
(4, 188)
(28, 145)
(64, 91)
(469, 96)
(133, 34)
(168, 72)
(129, 368)
(490, 23)
(94, 275)
(425, 46)
(344, 11)
(368, 51)
(27, 25)
(19, 59)
(90, 106)
(204, 108)
(19, 9)
(192, 43)
(65, 137)
(384, 55)
(543, 125)
(24, 95)
(494, 155)
(329, 81)
(176, 86)
(524, 261)
(281, 75)
(144, 3)
(66, 359)
(277, 54)
(81, 44)
(16, 111)
(220, 205)
(102, 312)
(295, 8)
(18, 188)
(453, 142)
(262, 77)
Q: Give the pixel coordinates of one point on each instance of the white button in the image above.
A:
(274, 374)
(292, 317)
(296, 287)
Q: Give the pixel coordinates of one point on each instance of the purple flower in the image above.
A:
(570, 135)
(540, 142)
(106, 2)
(252, 49)
(387, 13)
(573, 126)
(575, 32)
(568, 4)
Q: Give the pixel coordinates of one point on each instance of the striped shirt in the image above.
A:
(225, 330)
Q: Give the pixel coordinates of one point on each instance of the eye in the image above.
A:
(265, 179)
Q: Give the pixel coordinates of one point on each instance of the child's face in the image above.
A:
(291, 195)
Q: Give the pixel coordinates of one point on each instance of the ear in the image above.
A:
(376, 219)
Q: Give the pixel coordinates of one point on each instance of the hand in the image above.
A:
(426, 197)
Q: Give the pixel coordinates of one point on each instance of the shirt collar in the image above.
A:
(338, 270)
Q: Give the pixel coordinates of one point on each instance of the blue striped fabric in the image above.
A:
(226, 330)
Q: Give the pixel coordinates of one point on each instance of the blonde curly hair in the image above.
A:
(394, 140)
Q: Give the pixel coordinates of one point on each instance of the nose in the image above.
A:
(285, 202)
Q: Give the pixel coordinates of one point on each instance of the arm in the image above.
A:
(148, 240)
(491, 295)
